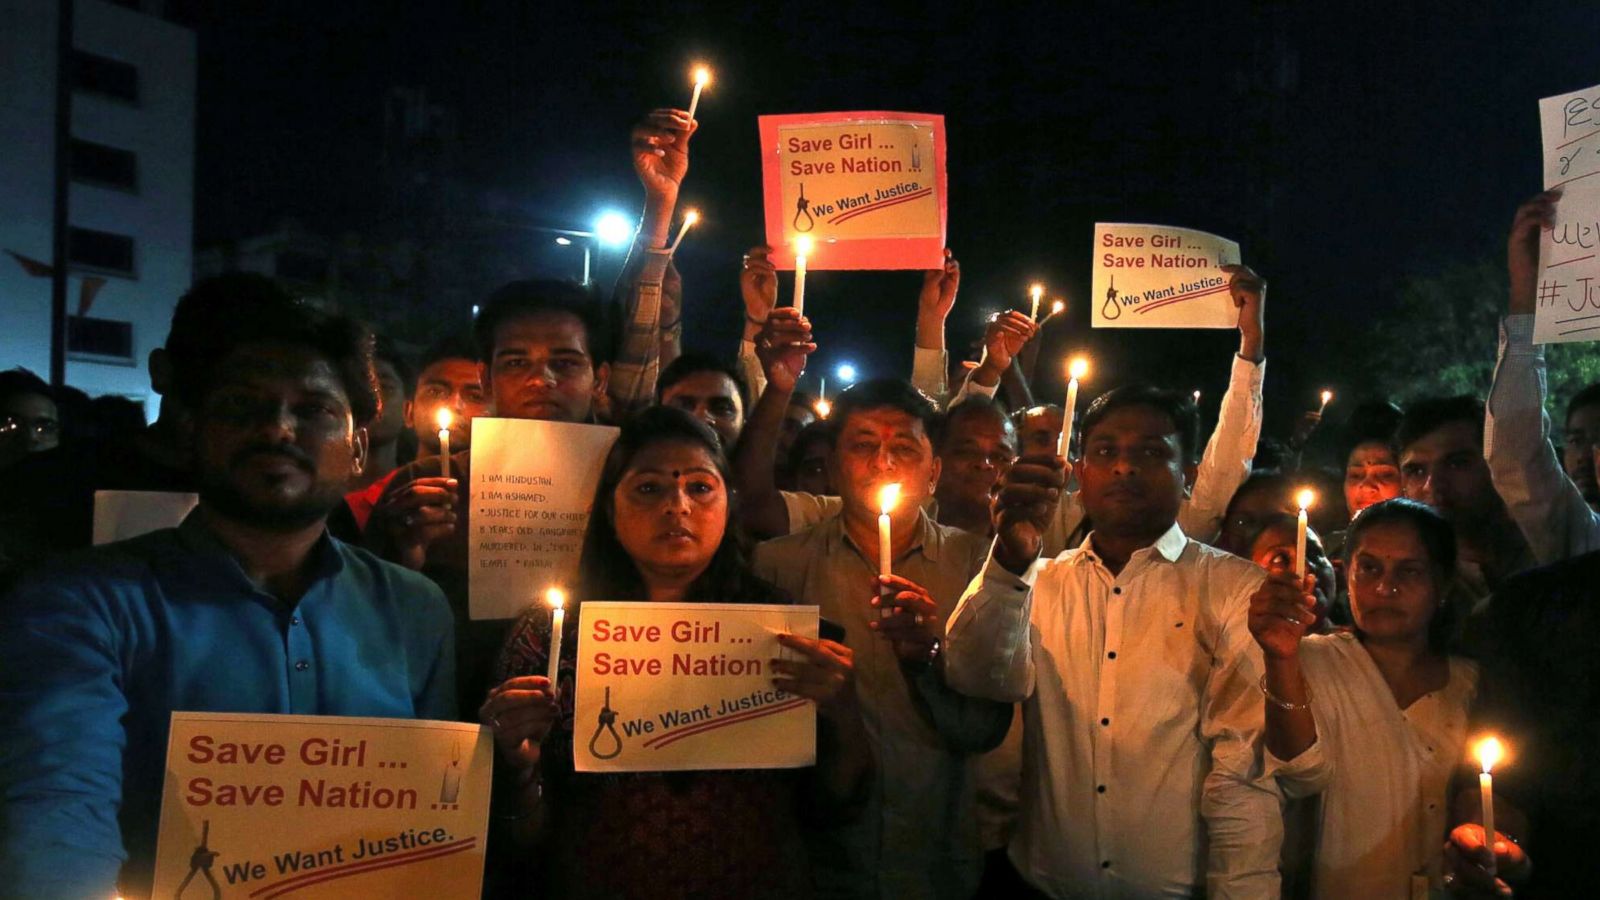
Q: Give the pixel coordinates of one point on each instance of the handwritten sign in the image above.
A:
(120, 515)
(260, 806)
(1155, 276)
(1568, 291)
(533, 487)
(867, 187)
(680, 686)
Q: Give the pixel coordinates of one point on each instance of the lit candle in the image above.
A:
(1489, 751)
(443, 419)
(822, 390)
(1056, 309)
(888, 496)
(823, 408)
(558, 617)
(1327, 397)
(702, 77)
(689, 218)
(1075, 370)
(1305, 498)
(1038, 292)
(802, 249)
(1196, 398)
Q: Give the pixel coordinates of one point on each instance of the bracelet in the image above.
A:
(1281, 703)
(671, 325)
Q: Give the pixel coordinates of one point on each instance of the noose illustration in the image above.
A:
(200, 864)
(802, 208)
(1112, 309)
(608, 721)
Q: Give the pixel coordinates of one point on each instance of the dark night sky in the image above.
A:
(1342, 148)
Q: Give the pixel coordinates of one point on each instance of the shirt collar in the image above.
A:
(928, 538)
(1169, 546)
(195, 536)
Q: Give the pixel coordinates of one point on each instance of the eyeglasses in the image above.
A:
(41, 427)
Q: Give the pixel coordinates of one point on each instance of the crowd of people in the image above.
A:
(1093, 673)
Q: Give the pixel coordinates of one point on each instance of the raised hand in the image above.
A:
(1029, 492)
(661, 151)
(939, 287)
(908, 618)
(782, 347)
(1249, 293)
(1282, 610)
(521, 711)
(415, 516)
(758, 284)
(1522, 248)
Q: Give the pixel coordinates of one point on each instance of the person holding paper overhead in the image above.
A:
(249, 606)
(1554, 501)
(1133, 659)
(918, 836)
(663, 534)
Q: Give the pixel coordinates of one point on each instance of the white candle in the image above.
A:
(1488, 751)
(802, 249)
(1038, 292)
(702, 76)
(689, 218)
(1327, 396)
(1056, 309)
(1305, 498)
(888, 496)
(1075, 370)
(558, 617)
(1197, 398)
(444, 441)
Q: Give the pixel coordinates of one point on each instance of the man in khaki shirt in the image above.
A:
(917, 837)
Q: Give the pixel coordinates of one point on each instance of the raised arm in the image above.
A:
(782, 345)
(651, 297)
(1543, 501)
(1225, 464)
(1004, 338)
(930, 362)
(1280, 614)
(758, 285)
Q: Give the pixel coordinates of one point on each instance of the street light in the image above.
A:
(846, 373)
(613, 229)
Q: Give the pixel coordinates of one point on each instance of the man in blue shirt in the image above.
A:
(248, 606)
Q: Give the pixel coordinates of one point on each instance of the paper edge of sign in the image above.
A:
(192, 715)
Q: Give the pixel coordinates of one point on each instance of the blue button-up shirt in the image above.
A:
(98, 651)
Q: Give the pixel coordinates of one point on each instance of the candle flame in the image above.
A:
(823, 408)
(691, 216)
(803, 245)
(1306, 498)
(443, 418)
(888, 496)
(556, 597)
(1197, 396)
(1036, 291)
(1489, 751)
(702, 75)
(1326, 396)
(1078, 368)
(1057, 308)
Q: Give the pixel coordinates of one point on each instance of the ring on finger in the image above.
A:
(494, 722)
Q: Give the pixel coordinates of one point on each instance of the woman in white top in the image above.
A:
(1374, 720)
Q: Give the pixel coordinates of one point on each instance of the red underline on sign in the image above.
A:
(1573, 260)
(673, 737)
(1577, 139)
(290, 885)
(1181, 297)
(877, 205)
(1572, 179)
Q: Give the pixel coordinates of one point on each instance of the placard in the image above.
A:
(120, 515)
(1156, 276)
(867, 187)
(683, 686)
(261, 806)
(532, 492)
(1568, 287)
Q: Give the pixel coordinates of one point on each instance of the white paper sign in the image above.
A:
(1155, 276)
(119, 515)
(260, 806)
(1568, 286)
(532, 489)
(683, 686)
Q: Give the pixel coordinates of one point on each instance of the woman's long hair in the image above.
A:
(609, 573)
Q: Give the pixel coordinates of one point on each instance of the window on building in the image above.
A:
(100, 250)
(96, 74)
(105, 340)
(109, 166)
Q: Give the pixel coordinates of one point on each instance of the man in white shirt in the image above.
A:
(1137, 674)
(1552, 500)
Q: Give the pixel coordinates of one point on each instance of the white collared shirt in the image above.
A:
(1142, 718)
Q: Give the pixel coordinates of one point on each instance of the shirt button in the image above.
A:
(301, 666)
(1101, 789)
(294, 620)
(1111, 655)
(1105, 721)
(1106, 864)
(1116, 590)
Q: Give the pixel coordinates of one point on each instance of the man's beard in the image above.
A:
(219, 493)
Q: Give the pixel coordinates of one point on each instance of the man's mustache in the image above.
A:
(284, 451)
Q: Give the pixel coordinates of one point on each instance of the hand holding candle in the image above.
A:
(1327, 397)
(1076, 369)
(802, 248)
(702, 77)
(1037, 292)
(558, 618)
(1305, 499)
(443, 418)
